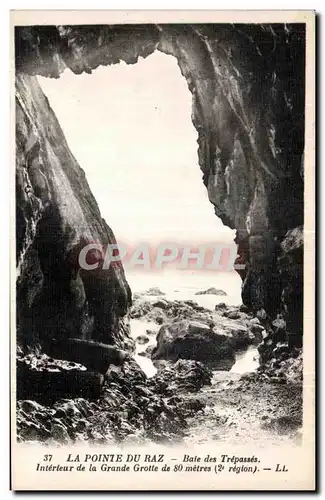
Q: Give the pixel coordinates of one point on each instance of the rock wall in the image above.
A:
(55, 215)
(247, 83)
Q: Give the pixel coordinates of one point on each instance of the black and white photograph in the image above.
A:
(163, 312)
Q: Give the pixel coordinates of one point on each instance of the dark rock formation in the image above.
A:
(247, 83)
(142, 339)
(161, 304)
(130, 408)
(196, 341)
(52, 386)
(185, 376)
(291, 265)
(47, 380)
(148, 351)
(94, 355)
(140, 308)
(281, 362)
(56, 216)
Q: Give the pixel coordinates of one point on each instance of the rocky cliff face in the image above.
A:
(247, 83)
(55, 214)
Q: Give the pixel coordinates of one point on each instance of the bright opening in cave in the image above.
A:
(130, 129)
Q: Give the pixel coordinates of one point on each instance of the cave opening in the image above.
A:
(130, 129)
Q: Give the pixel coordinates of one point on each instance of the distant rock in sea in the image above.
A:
(154, 291)
(211, 291)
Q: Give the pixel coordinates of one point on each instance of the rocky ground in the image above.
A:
(130, 407)
(247, 409)
(192, 397)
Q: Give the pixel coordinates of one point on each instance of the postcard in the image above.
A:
(162, 250)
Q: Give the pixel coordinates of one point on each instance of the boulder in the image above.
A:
(142, 339)
(194, 340)
(140, 308)
(94, 355)
(220, 305)
(150, 332)
(238, 333)
(161, 303)
(184, 375)
(156, 315)
(194, 305)
(233, 314)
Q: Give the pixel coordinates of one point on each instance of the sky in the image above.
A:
(130, 129)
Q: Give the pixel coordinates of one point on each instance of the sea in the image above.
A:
(183, 285)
